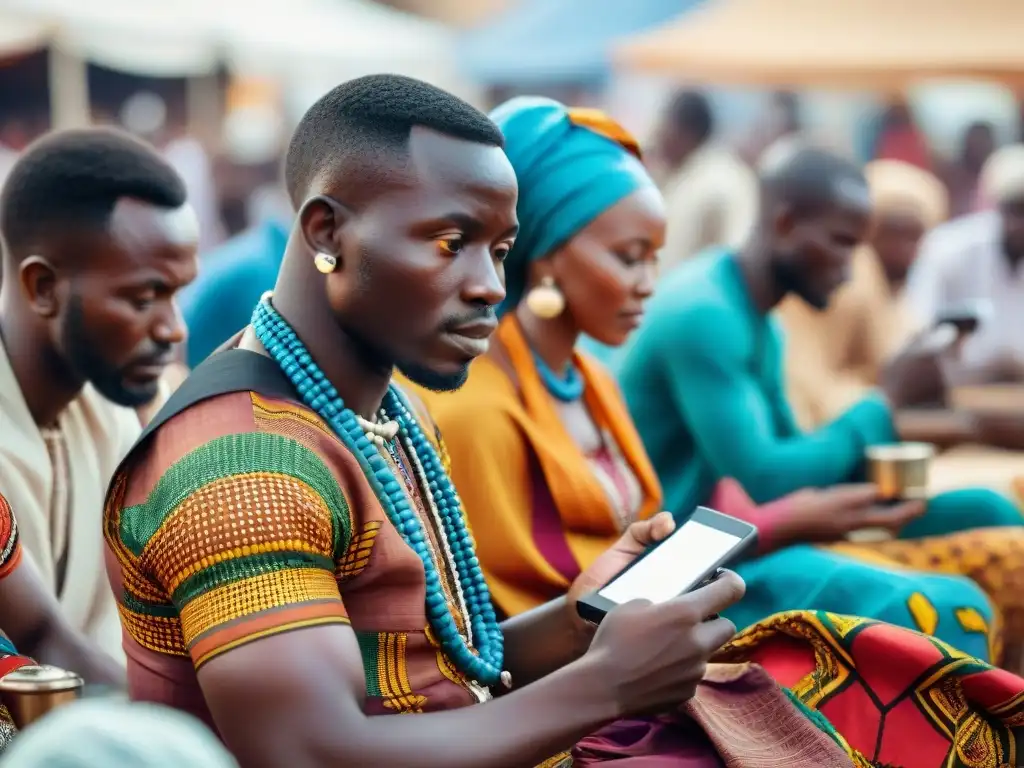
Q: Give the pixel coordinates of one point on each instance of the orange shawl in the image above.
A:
(496, 428)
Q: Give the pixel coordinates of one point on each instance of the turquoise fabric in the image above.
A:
(231, 280)
(568, 175)
(816, 579)
(810, 578)
(703, 379)
(610, 357)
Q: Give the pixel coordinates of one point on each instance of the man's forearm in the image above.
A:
(543, 640)
(520, 730)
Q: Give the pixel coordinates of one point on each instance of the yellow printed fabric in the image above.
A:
(239, 539)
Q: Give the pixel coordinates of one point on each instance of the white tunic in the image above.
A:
(962, 262)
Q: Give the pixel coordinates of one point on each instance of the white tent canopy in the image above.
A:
(20, 34)
(274, 38)
(308, 37)
(144, 38)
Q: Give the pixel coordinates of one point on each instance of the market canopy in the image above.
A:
(863, 44)
(186, 38)
(20, 35)
(338, 38)
(558, 41)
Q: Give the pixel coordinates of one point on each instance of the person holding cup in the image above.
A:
(703, 379)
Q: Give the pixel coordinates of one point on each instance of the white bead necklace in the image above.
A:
(379, 432)
(421, 476)
(382, 435)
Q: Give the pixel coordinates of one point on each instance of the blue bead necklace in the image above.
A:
(484, 663)
(568, 388)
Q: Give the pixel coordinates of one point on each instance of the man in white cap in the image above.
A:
(974, 263)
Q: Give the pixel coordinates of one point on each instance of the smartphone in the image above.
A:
(690, 558)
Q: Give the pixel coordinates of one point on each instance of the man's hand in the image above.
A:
(653, 656)
(637, 538)
(830, 514)
(914, 376)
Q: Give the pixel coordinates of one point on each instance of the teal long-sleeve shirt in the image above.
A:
(704, 383)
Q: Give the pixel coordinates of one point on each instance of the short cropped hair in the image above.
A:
(358, 123)
(810, 179)
(690, 111)
(75, 178)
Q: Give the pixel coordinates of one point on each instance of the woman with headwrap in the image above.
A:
(550, 470)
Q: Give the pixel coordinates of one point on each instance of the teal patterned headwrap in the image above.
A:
(572, 165)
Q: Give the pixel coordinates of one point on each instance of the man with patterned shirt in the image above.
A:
(290, 556)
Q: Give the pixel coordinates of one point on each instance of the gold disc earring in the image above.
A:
(325, 262)
(545, 300)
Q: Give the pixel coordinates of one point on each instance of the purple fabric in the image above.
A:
(548, 532)
(649, 743)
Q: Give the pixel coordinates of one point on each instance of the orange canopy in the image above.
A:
(870, 44)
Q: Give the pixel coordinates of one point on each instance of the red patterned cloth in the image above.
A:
(894, 697)
(10, 544)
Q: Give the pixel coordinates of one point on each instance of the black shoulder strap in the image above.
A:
(233, 370)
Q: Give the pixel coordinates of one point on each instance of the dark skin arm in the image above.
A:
(949, 428)
(31, 618)
(543, 640)
(276, 716)
(296, 699)
(553, 635)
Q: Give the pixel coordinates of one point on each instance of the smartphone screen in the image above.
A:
(673, 566)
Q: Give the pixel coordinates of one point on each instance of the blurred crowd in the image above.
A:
(286, 448)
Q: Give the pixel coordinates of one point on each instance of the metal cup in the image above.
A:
(900, 470)
(33, 691)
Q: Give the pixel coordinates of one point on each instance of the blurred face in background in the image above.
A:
(895, 239)
(813, 250)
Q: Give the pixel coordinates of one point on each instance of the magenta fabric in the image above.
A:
(729, 498)
(649, 743)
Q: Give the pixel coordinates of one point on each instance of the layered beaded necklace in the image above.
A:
(483, 661)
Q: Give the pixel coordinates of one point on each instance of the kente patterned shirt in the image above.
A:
(245, 517)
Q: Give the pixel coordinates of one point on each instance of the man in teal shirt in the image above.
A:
(703, 379)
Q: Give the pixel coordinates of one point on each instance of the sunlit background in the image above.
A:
(217, 84)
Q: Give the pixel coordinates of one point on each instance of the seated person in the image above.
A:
(977, 259)
(291, 556)
(835, 356)
(98, 238)
(703, 379)
(31, 617)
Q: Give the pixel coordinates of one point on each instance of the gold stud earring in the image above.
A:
(545, 300)
(325, 262)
